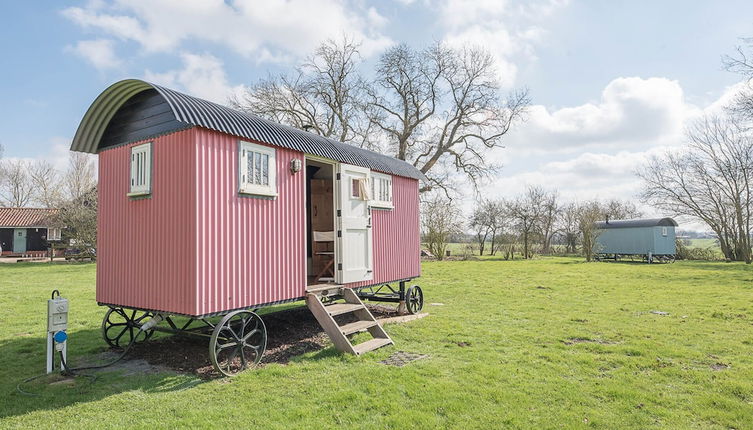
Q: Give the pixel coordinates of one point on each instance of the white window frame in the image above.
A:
(54, 234)
(244, 187)
(140, 167)
(377, 179)
(664, 231)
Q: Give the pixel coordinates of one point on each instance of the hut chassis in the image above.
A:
(646, 258)
(238, 339)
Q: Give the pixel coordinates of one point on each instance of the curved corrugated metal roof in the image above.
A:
(629, 223)
(202, 113)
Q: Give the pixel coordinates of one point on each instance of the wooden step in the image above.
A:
(324, 315)
(371, 345)
(357, 326)
(322, 287)
(342, 308)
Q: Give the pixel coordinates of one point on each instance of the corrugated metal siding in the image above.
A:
(146, 247)
(396, 238)
(664, 245)
(188, 110)
(249, 250)
(637, 241)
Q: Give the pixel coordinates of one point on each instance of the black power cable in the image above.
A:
(72, 371)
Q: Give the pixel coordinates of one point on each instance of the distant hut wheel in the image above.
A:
(238, 342)
(414, 299)
(120, 326)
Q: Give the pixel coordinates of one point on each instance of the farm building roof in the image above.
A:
(25, 217)
(193, 111)
(631, 223)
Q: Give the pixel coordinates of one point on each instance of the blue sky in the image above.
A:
(612, 82)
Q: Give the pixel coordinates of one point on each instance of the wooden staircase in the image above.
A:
(353, 307)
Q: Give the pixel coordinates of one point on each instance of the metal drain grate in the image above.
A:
(401, 358)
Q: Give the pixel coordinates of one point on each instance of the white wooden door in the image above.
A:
(353, 241)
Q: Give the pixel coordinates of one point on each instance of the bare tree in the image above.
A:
(620, 209)
(473, 117)
(46, 182)
(324, 96)
(709, 181)
(741, 63)
(440, 109)
(440, 220)
(525, 213)
(549, 217)
(480, 225)
(569, 227)
(79, 179)
(79, 219)
(404, 96)
(498, 221)
(16, 186)
(589, 213)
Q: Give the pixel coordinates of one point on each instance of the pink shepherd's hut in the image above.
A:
(205, 211)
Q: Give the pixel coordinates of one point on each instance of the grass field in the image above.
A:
(548, 343)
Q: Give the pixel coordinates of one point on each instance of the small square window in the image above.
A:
(257, 169)
(664, 231)
(141, 170)
(381, 190)
(53, 234)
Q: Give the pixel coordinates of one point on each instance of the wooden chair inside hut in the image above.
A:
(321, 222)
(324, 250)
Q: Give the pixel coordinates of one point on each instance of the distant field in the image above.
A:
(544, 343)
(704, 243)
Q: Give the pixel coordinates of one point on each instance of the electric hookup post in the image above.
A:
(57, 323)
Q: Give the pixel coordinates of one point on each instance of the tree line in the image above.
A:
(72, 191)
(530, 223)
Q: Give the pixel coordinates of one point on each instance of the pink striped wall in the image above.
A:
(197, 247)
(145, 248)
(396, 236)
(249, 250)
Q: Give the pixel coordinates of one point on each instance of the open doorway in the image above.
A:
(320, 222)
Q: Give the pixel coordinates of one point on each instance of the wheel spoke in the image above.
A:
(251, 333)
(220, 347)
(243, 357)
(116, 339)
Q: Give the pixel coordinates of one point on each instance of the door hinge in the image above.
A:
(337, 176)
(339, 213)
(339, 266)
(339, 233)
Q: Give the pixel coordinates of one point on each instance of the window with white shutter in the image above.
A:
(381, 190)
(53, 234)
(257, 170)
(141, 170)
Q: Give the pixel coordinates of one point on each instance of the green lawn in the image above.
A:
(549, 343)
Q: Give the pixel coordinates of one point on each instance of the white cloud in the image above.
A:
(202, 75)
(631, 113)
(592, 150)
(99, 52)
(507, 30)
(261, 30)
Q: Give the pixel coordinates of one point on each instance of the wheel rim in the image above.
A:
(120, 326)
(415, 299)
(238, 342)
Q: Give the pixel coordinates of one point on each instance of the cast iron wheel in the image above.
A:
(238, 342)
(414, 299)
(120, 326)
